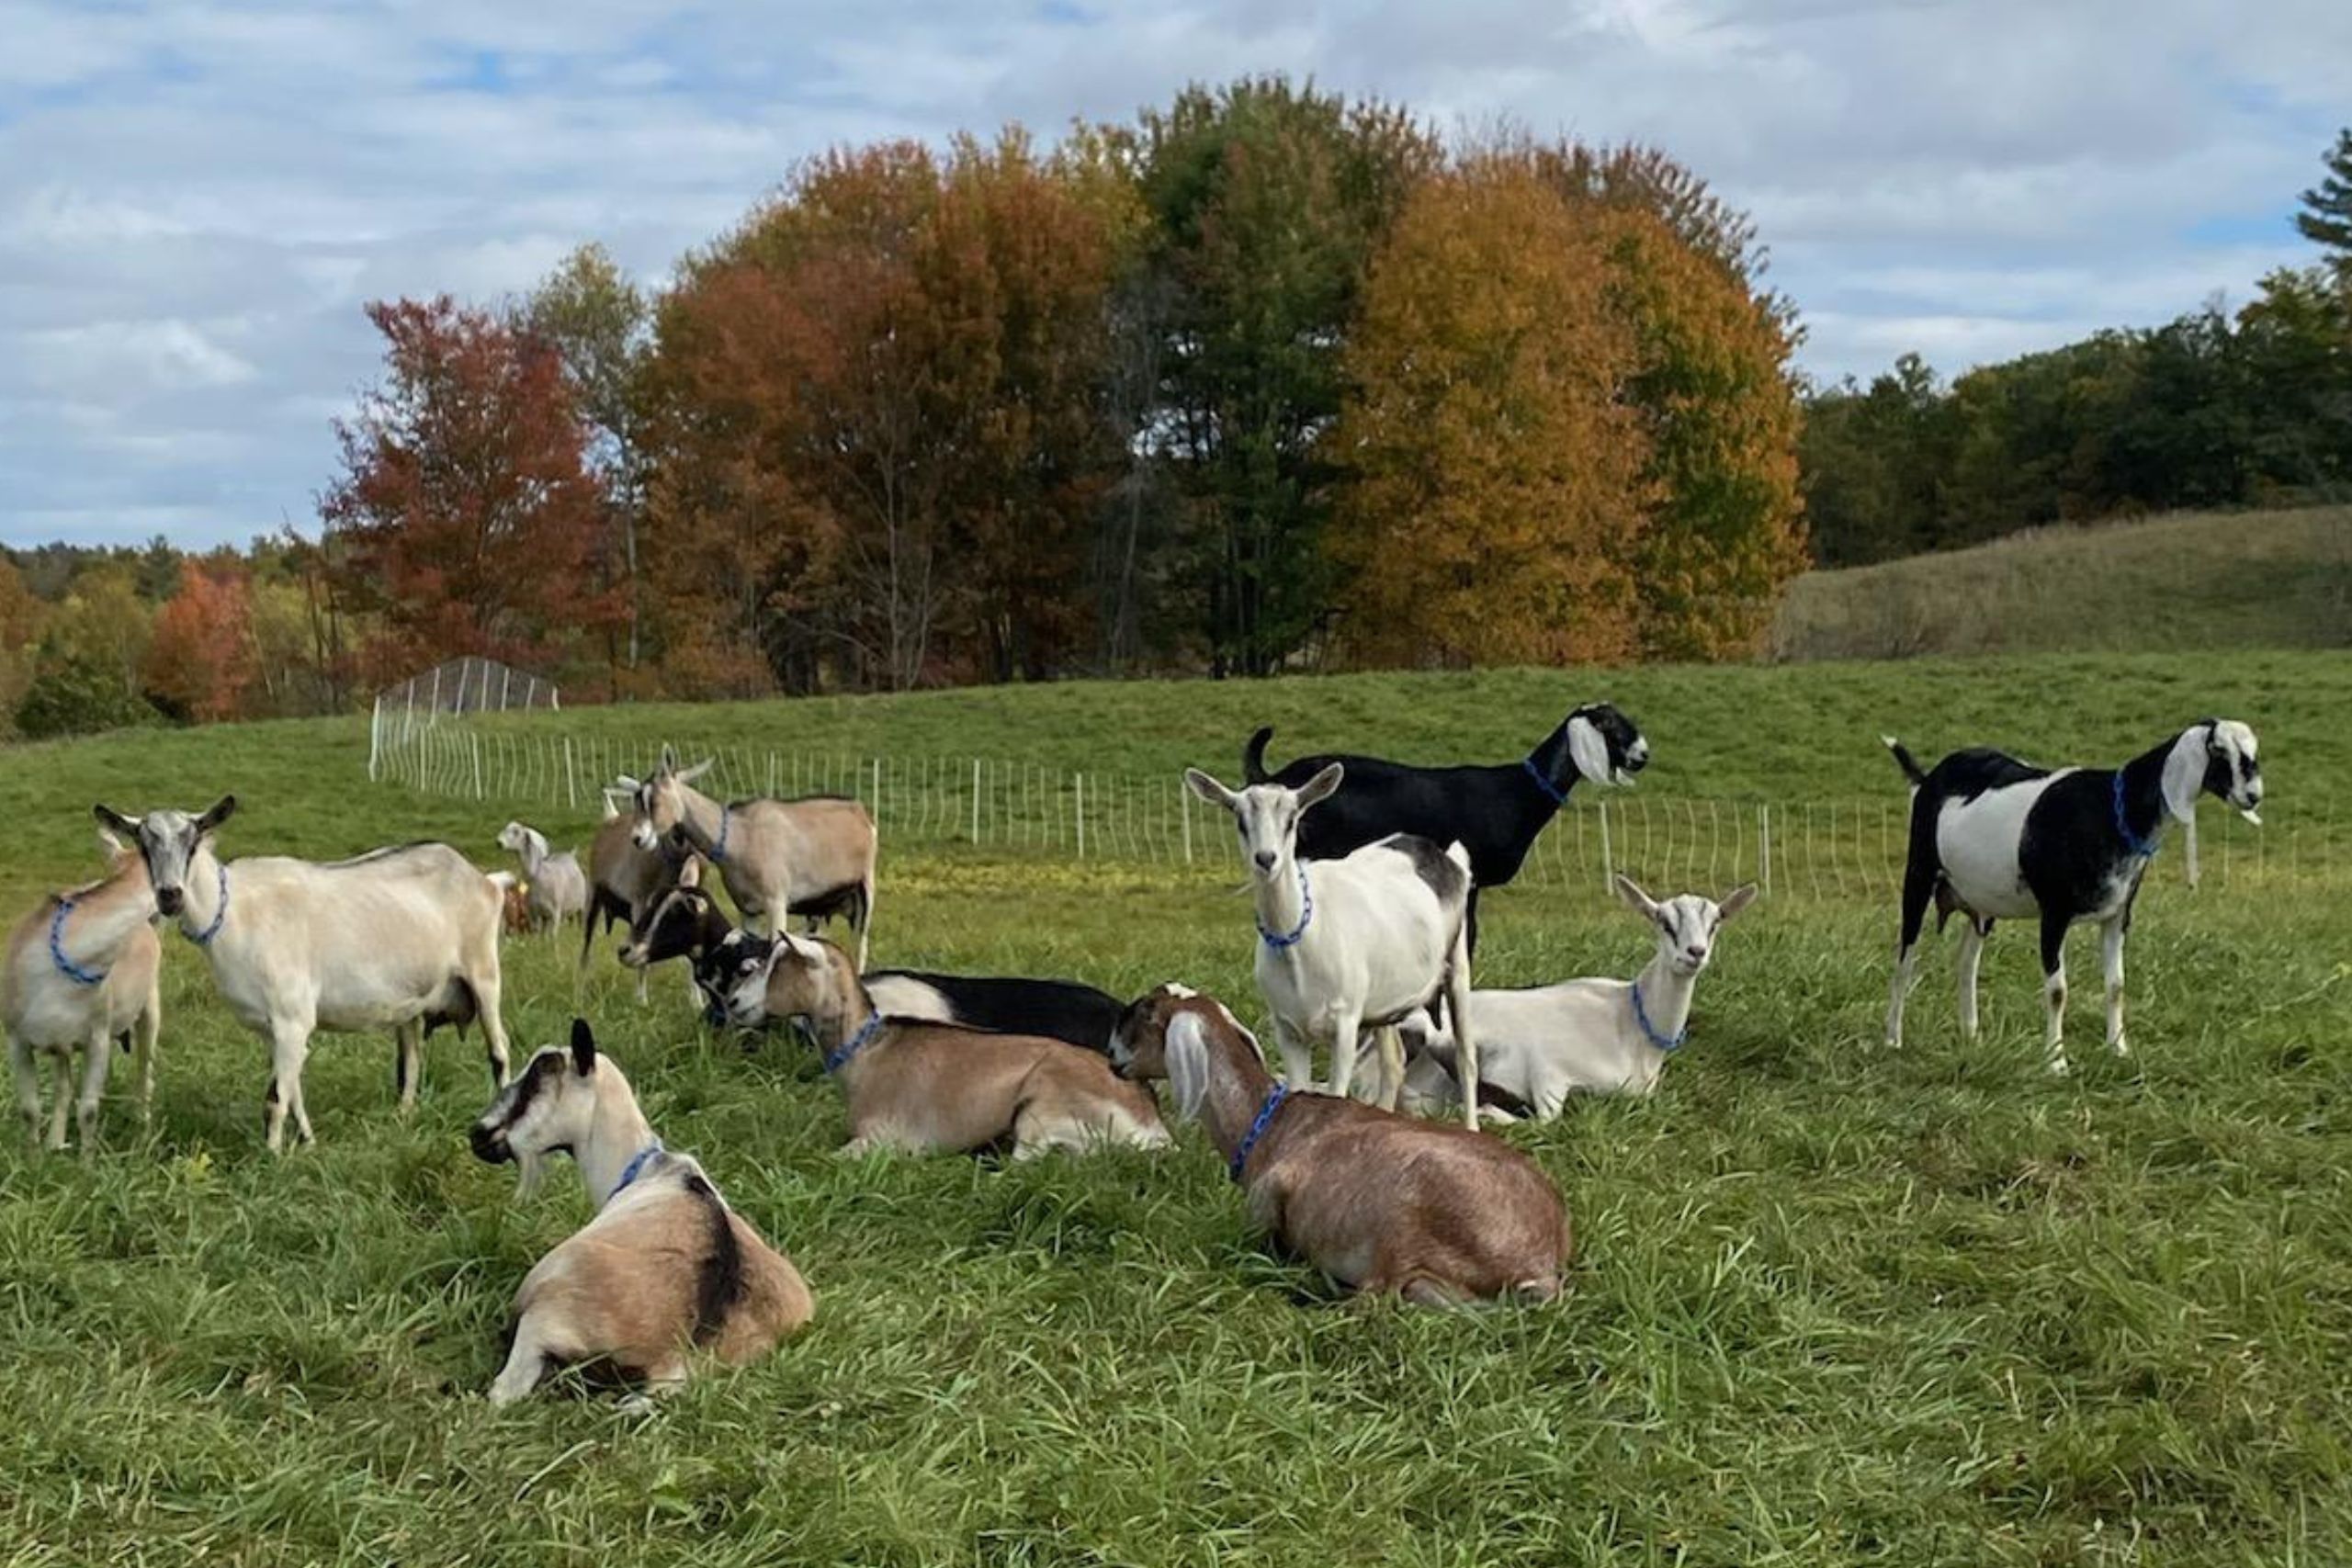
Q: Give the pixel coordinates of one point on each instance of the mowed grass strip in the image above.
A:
(1832, 1304)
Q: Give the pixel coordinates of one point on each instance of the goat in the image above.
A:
(1536, 1046)
(625, 881)
(557, 887)
(404, 939)
(1496, 813)
(1352, 944)
(515, 903)
(1994, 838)
(85, 969)
(687, 923)
(811, 857)
(925, 1087)
(664, 1267)
(1381, 1203)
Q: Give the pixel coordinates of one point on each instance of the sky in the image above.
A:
(196, 198)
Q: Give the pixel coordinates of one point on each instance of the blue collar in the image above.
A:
(204, 938)
(1305, 916)
(1557, 795)
(2145, 848)
(1257, 1130)
(839, 1057)
(1649, 1030)
(634, 1168)
(65, 965)
(718, 848)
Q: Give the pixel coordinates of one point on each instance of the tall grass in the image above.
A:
(1833, 1304)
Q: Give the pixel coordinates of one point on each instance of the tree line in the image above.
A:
(2215, 409)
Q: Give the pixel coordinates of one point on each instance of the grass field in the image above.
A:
(1832, 1304)
(2241, 580)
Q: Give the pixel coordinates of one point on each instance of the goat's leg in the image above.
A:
(289, 1043)
(1347, 1044)
(657, 1381)
(97, 1058)
(865, 917)
(1972, 949)
(2053, 987)
(526, 1362)
(489, 986)
(27, 1075)
(1466, 1044)
(1918, 888)
(2112, 962)
(1298, 1056)
(1392, 1066)
(149, 1031)
(408, 1061)
(65, 1100)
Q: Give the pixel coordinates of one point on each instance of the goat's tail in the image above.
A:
(1253, 756)
(1904, 760)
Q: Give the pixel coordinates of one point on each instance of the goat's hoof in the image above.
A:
(2058, 1067)
(2119, 1047)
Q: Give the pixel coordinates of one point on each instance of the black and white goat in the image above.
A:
(402, 939)
(1355, 943)
(1993, 837)
(1495, 812)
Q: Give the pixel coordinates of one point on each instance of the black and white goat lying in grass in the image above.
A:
(1495, 812)
(1993, 838)
(1539, 1044)
(664, 1269)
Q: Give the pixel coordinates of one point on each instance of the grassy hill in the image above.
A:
(1833, 1303)
(2209, 581)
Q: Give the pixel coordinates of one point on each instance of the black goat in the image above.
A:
(1993, 837)
(1496, 812)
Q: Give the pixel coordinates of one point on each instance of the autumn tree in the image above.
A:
(203, 655)
(465, 517)
(1497, 489)
(21, 617)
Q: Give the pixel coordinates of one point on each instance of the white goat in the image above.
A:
(555, 887)
(1537, 1046)
(402, 939)
(812, 857)
(84, 970)
(1353, 943)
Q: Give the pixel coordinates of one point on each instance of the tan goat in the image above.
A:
(84, 970)
(666, 1267)
(1380, 1203)
(812, 857)
(927, 1087)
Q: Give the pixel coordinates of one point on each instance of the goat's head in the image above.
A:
(2215, 757)
(660, 801)
(806, 979)
(671, 928)
(1266, 814)
(546, 1108)
(1686, 923)
(167, 841)
(1169, 1032)
(1604, 745)
(517, 839)
(737, 964)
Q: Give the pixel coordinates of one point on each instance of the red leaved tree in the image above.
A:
(201, 660)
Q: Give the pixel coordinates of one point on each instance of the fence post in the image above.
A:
(1078, 810)
(1764, 847)
(1185, 812)
(877, 792)
(571, 788)
(2189, 846)
(375, 736)
(1608, 860)
(476, 741)
(976, 802)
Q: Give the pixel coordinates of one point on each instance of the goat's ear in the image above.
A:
(1587, 750)
(669, 759)
(1738, 898)
(627, 784)
(108, 845)
(1630, 893)
(1185, 1050)
(690, 775)
(690, 874)
(583, 1047)
(1207, 788)
(1322, 786)
(109, 817)
(2184, 775)
(218, 812)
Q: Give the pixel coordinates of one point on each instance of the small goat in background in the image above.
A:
(1355, 943)
(1382, 1203)
(1994, 838)
(555, 887)
(84, 971)
(1539, 1044)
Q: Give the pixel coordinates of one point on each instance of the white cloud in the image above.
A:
(197, 197)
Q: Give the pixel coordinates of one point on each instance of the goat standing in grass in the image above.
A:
(811, 857)
(1994, 838)
(1538, 1046)
(625, 881)
(85, 970)
(1382, 1203)
(1495, 812)
(923, 1087)
(664, 1268)
(1355, 943)
(555, 887)
(403, 939)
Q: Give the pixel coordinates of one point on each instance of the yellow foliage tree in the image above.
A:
(1500, 484)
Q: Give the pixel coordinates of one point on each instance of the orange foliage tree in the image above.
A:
(1497, 489)
(202, 658)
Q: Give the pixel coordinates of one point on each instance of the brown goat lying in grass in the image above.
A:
(1436, 1213)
